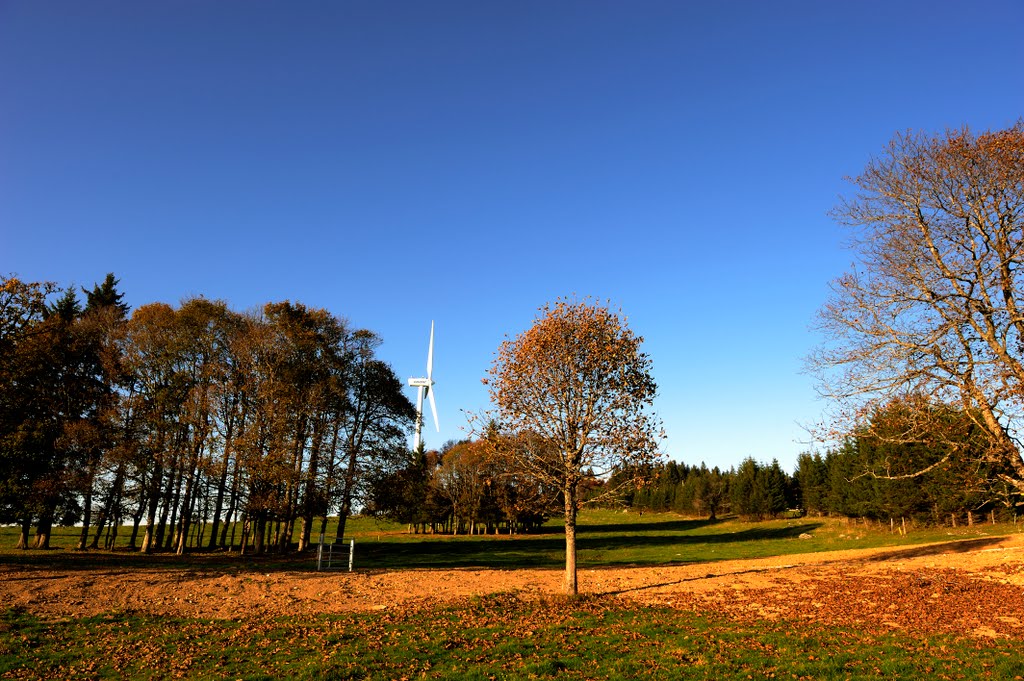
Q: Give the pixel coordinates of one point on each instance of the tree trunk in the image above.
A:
(108, 506)
(232, 509)
(571, 586)
(43, 529)
(83, 538)
(26, 527)
(172, 505)
(259, 533)
(310, 495)
(287, 530)
(246, 524)
(342, 517)
(137, 518)
(149, 539)
(345, 507)
(222, 482)
(187, 513)
(111, 538)
(188, 503)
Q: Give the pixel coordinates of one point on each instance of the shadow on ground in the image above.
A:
(651, 547)
(200, 561)
(960, 546)
(640, 543)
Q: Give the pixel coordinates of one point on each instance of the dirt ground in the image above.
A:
(971, 587)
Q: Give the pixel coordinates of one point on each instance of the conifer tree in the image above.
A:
(106, 295)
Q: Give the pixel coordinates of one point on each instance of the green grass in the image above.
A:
(614, 539)
(497, 637)
(605, 539)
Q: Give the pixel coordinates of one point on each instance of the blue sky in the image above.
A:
(466, 162)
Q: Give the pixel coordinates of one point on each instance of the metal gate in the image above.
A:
(332, 556)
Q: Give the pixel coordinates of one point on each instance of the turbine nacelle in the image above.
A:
(420, 382)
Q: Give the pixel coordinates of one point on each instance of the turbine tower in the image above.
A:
(424, 386)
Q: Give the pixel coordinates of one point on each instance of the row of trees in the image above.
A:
(462, 489)
(941, 474)
(465, 488)
(837, 483)
(944, 471)
(181, 419)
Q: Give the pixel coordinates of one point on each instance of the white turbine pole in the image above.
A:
(423, 386)
(419, 419)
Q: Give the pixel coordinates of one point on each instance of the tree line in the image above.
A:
(177, 421)
(197, 426)
(946, 477)
(462, 489)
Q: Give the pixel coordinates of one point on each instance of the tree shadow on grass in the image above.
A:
(642, 527)
(750, 534)
(599, 545)
(200, 561)
(548, 551)
(957, 546)
(555, 527)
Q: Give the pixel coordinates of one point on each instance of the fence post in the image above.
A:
(351, 553)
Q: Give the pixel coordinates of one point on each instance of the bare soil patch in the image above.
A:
(969, 587)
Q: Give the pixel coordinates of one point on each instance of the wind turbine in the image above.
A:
(424, 386)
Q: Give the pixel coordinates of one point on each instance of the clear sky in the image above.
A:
(398, 162)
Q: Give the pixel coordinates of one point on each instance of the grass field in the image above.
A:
(605, 538)
(502, 636)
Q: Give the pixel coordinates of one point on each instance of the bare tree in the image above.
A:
(931, 305)
(573, 396)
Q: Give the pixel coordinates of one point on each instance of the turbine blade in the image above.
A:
(430, 351)
(433, 408)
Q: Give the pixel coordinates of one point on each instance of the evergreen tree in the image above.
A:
(771, 490)
(67, 307)
(106, 295)
(811, 481)
(711, 491)
(743, 489)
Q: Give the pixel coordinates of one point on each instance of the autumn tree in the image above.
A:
(53, 386)
(187, 415)
(463, 479)
(932, 305)
(373, 425)
(26, 432)
(573, 395)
